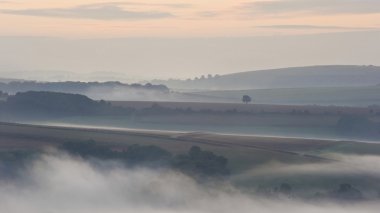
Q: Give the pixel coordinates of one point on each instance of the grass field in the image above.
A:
(244, 152)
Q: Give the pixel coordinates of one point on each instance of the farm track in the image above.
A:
(195, 138)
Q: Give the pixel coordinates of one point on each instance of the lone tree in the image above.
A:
(246, 99)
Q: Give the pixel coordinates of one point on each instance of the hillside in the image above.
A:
(248, 150)
(53, 104)
(112, 91)
(95, 90)
(296, 77)
(7, 80)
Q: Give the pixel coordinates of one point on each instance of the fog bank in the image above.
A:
(59, 183)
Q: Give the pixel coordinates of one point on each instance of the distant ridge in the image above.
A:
(75, 86)
(293, 77)
(7, 80)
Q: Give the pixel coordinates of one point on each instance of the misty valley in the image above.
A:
(170, 171)
(183, 156)
(178, 106)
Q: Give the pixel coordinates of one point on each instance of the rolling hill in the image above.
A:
(296, 77)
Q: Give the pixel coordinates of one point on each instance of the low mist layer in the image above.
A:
(61, 183)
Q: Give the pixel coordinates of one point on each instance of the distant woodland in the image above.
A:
(74, 87)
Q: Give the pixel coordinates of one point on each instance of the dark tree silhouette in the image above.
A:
(285, 188)
(347, 192)
(196, 163)
(3, 95)
(246, 99)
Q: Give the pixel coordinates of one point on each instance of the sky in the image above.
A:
(194, 37)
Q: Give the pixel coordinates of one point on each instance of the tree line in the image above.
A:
(196, 162)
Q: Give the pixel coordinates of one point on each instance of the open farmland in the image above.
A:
(340, 96)
(259, 119)
(244, 152)
(254, 108)
(327, 122)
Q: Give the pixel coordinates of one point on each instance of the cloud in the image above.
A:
(170, 5)
(64, 184)
(103, 11)
(344, 165)
(359, 170)
(208, 14)
(314, 27)
(312, 6)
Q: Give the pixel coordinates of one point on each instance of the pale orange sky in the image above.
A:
(131, 40)
(177, 18)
